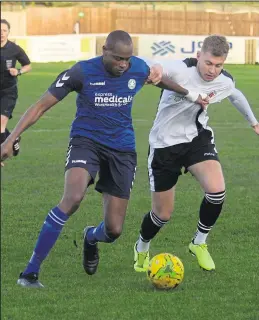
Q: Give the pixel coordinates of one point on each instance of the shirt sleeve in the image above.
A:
(147, 70)
(239, 101)
(68, 81)
(22, 57)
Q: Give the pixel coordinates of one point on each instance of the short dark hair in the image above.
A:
(6, 22)
(217, 45)
(117, 36)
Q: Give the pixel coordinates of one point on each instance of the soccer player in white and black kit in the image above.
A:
(180, 137)
(10, 54)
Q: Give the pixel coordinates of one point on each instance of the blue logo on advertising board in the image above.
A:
(162, 48)
(196, 46)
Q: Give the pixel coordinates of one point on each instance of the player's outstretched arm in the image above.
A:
(192, 96)
(68, 81)
(166, 76)
(240, 102)
(199, 98)
(31, 116)
(157, 78)
(164, 82)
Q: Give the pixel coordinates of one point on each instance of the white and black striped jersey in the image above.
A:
(179, 120)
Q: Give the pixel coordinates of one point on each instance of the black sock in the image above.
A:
(3, 137)
(210, 210)
(150, 226)
(7, 132)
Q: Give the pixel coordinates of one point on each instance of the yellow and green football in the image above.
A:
(165, 271)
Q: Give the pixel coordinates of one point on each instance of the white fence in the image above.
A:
(78, 47)
(181, 47)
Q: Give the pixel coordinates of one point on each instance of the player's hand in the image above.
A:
(203, 101)
(6, 151)
(156, 73)
(256, 128)
(201, 98)
(13, 72)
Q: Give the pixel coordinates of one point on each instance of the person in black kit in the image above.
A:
(10, 53)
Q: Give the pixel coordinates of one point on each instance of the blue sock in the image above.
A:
(98, 234)
(49, 234)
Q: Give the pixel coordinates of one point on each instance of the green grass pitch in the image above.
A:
(33, 183)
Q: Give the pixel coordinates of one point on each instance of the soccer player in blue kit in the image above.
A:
(101, 141)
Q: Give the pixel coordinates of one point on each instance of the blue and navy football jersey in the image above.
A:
(103, 102)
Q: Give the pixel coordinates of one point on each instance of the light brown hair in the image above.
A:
(217, 45)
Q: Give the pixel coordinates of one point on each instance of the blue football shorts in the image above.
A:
(116, 169)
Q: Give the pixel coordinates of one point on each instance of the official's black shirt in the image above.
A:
(10, 54)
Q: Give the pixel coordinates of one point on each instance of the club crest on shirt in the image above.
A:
(212, 94)
(132, 84)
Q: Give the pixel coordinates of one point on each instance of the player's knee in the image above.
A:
(215, 197)
(75, 200)
(113, 233)
(164, 212)
(71, 202)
